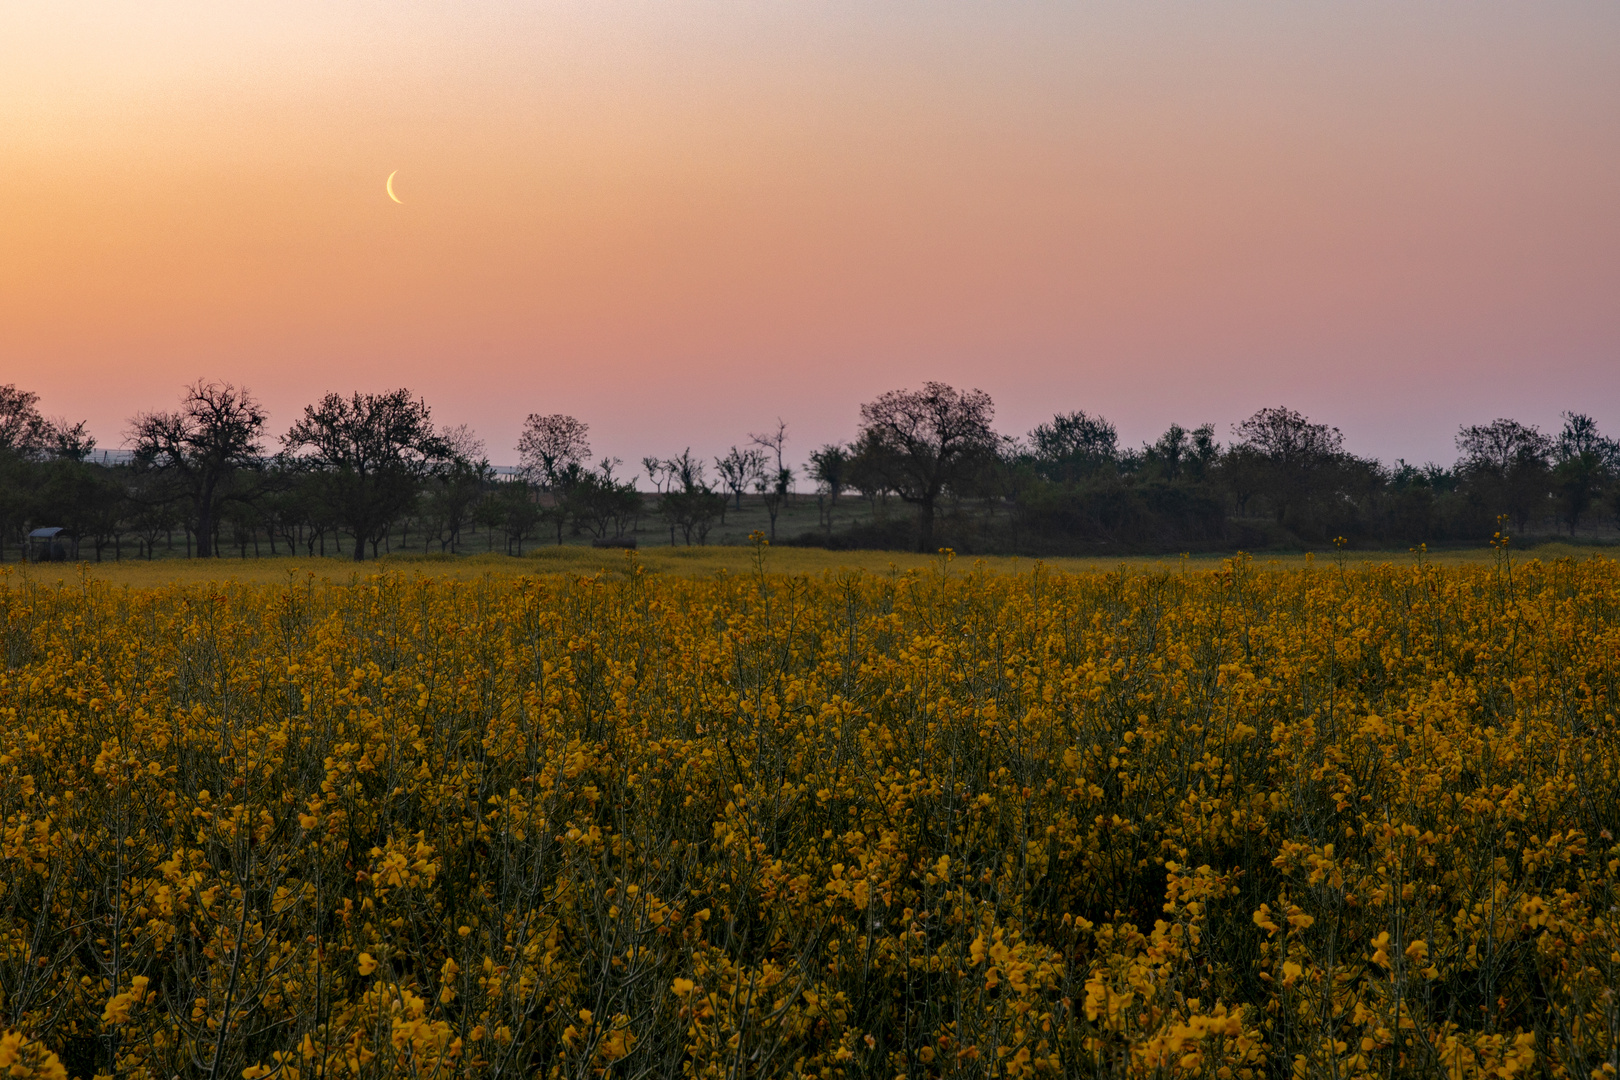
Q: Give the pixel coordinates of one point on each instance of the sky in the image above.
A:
(680, 221)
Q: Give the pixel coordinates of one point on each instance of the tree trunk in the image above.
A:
(205, 528)
(925, 525)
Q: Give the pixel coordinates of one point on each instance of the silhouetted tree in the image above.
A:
(601, 503)
(689, 505)
(739, 469)
(87, 501)
(371, 454)
(829, 468)
(1287, 458)
(773, 484)
(1073, 445)
(516, 512)
(23, 435)
(1584, 463)
(214, 433)
(550, 446)
(658, 471)
(921, 442)
(1506, 465)
(22, 429)
(457, 486)
(865, 476)
(1180, 454)
(154, 508)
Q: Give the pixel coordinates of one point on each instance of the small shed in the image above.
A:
(52, 544)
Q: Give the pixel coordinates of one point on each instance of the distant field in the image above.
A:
(692, 562)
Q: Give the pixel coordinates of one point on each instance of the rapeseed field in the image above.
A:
(1315, 820)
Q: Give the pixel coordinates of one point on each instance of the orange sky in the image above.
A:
(678, 221)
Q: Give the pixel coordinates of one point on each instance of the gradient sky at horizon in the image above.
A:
(681, 220)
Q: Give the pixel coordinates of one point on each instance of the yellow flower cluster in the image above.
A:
(1318, 822)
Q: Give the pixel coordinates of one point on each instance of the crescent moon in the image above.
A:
(389, 187)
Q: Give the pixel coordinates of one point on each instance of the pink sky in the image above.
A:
(679, 221)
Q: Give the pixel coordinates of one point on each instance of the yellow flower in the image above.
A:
(946, 782)
(1380, 949)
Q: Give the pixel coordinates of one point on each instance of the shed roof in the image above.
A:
(44, 534)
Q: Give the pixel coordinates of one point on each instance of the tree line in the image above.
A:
(1280, 480)
(366, 473)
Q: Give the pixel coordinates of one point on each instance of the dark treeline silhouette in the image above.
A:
(1281, 480)
(371, 473)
